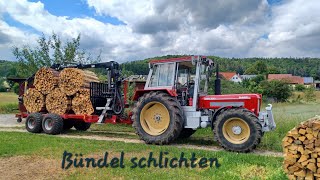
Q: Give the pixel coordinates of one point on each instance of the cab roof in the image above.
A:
(179, 59)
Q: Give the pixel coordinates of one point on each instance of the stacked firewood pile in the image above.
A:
(61, 92)
(301, 148)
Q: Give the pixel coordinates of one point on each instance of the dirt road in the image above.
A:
(9, 120)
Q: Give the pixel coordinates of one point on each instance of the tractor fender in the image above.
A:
(140, 92)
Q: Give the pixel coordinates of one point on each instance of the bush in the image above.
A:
(15, 88)
(310, 94)
(279, 90)
(300, 87)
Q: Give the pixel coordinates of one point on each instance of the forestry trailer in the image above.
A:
(173, 103)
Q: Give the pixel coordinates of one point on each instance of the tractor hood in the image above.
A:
(251, 102)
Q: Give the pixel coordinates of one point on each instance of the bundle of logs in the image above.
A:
(60, 92)
(301, 148)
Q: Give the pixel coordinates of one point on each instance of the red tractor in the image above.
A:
(173, 104)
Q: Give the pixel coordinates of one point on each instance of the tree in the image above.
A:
(279, 90)
(50, 51)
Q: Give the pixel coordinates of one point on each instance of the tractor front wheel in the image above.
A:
(237, 130)
(157, 118)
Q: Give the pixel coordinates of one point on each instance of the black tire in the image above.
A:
(245, 116)
(176, 121)
(34, 122)
(186, 133)
(82, 126)
(52, 124)
(68, 124)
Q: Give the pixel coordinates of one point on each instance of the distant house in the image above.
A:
(230, 76)
(292, 80)
(134, 78)
(243, 77)
(308, 81)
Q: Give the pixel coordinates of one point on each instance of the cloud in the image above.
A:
(294, 30)
(152, 28)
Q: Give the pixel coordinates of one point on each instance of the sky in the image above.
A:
(132, 30)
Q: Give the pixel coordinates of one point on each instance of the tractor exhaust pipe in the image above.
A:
(217, 82)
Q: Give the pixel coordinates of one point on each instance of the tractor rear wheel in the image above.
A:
(186, 133)
(34, 122)
(237, 130)
(157, 118)
(52, 124)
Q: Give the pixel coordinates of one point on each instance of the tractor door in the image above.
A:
(161, 76)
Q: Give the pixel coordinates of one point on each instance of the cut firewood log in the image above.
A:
(72, 80)
(302, 151)
(57, 102)
(45, 80)
(33, 100)
(81, 103)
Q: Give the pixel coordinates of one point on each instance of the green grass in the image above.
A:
(8, 102)
(286, 116)
(233, 165)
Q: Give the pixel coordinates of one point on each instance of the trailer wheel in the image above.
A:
(34, 122)
(68, 124)
(52, 124)
(237, 130)
(157, 118)
(82, 126)
(186, 133)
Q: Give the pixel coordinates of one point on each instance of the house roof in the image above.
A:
(227, 75)
(278, 76)
(286, 77)
(308, 80)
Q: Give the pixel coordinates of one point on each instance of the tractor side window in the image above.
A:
(163, 75)
(166, 74)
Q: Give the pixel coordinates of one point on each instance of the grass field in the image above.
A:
(8, 102)
(32, 155)
(25, 150)
(286, 116)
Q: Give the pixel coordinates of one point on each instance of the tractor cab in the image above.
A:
(186, 77)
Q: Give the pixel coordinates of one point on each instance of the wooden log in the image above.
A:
(57, 102)
(81, 103)
(45, 80)
(33, 100)
(301, 147)
(72, 80)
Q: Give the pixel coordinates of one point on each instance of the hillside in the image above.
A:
(295, 66)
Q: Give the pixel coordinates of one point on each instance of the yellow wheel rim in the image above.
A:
(154, 118)
(236, 130)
